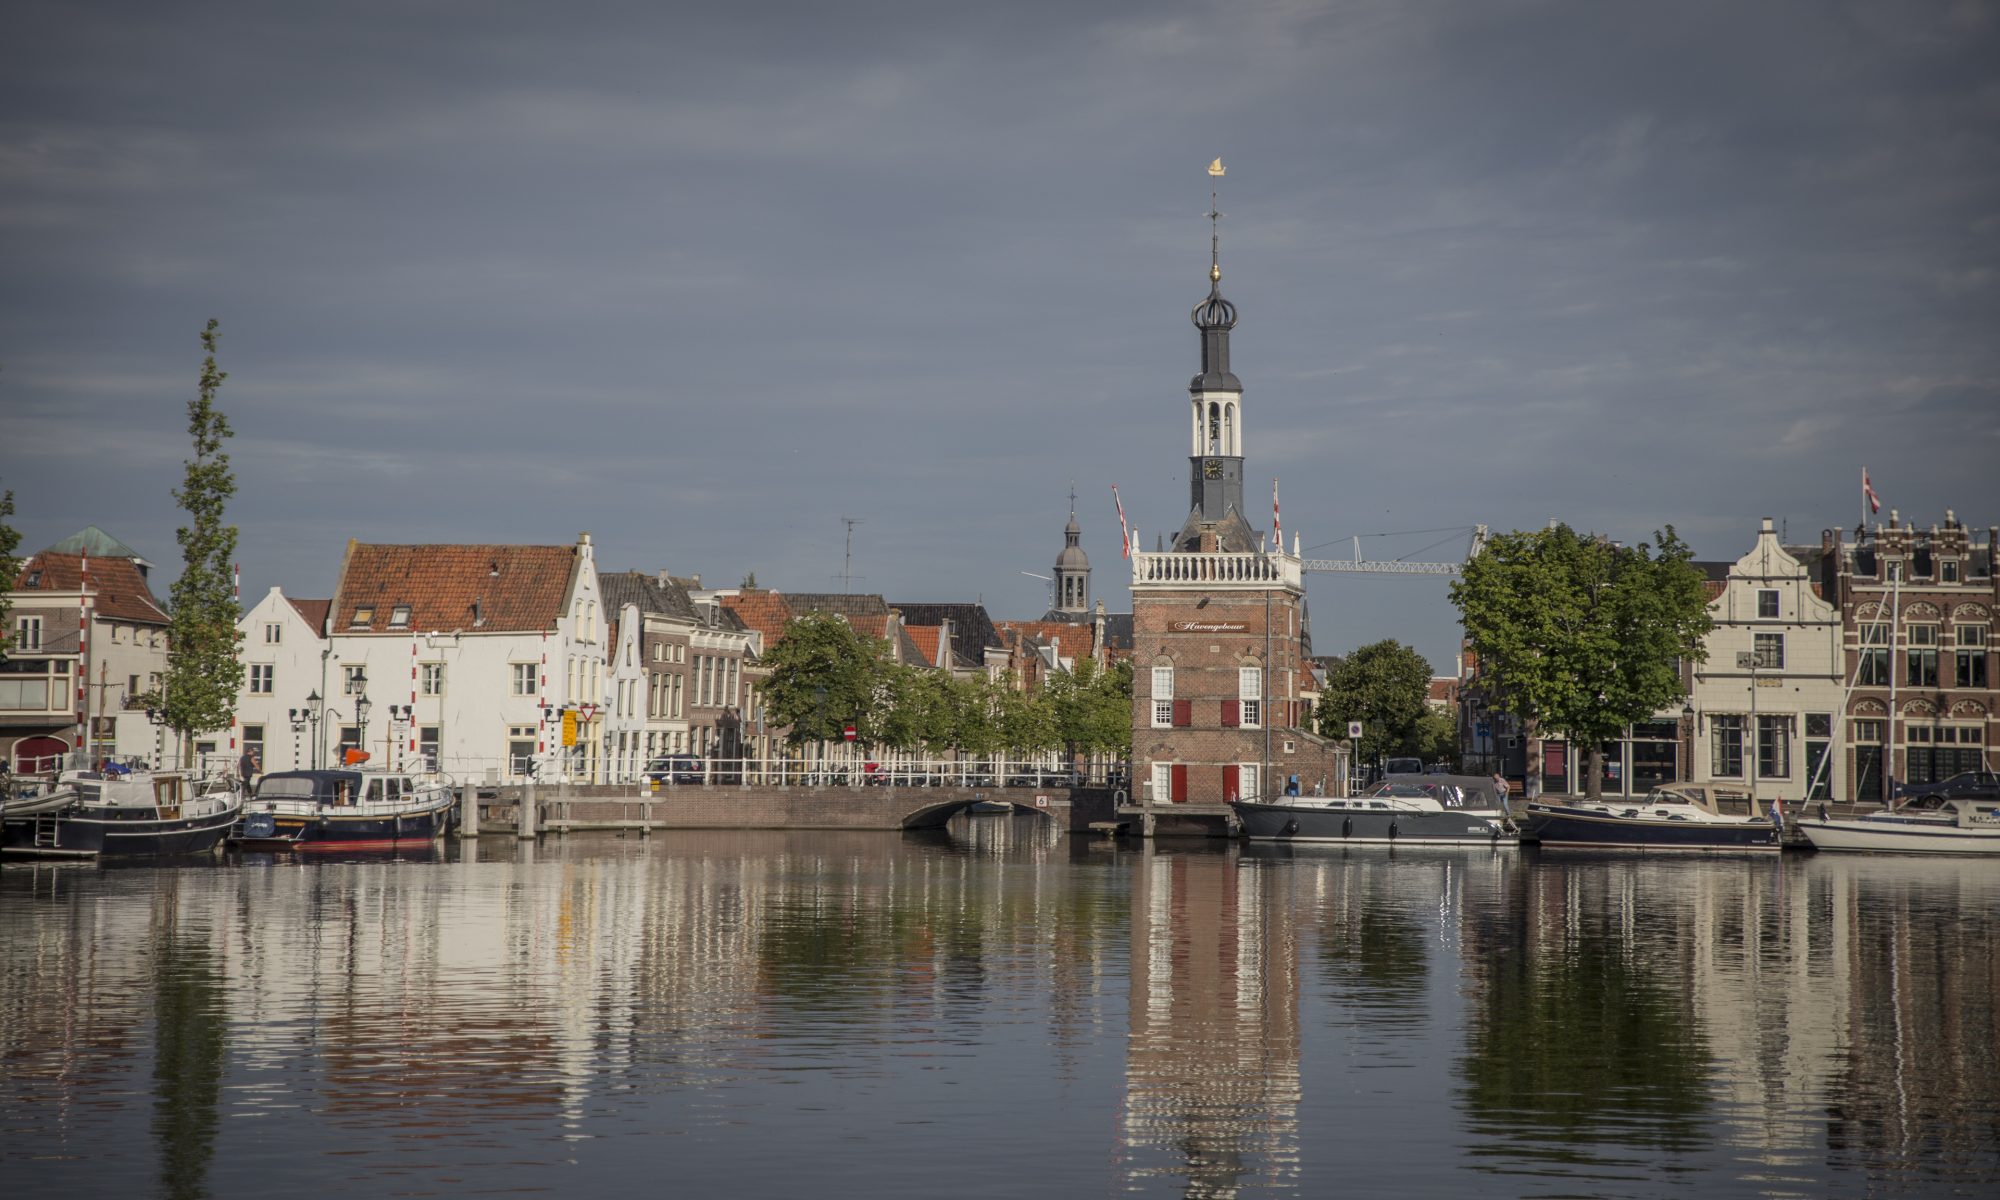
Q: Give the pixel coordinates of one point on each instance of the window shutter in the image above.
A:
(1183, 714)
(1177, 791)
(1232, 713)
(1232, 777)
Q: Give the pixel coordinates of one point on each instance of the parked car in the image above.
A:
(1043, 779)
(1403, 766)
(676, 768)
(1968, 785)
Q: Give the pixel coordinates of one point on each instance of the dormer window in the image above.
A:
(1947, 570)
(399, 617)
(32, 579)
(364, 616)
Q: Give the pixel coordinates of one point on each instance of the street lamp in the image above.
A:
(314, 710)
(1687, 718)
(361, 707)
(1746, 660)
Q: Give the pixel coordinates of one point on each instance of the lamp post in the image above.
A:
(157, 720)
(1747, 660)
(399, 720)
(1687, 718)
(361, 707)
(312, 713)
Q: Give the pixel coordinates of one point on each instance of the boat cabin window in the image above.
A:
(1732, 806)
(395, 787)
(374, 790)
(284, 787)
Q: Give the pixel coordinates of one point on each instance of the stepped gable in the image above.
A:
(469, 588)
(117, 587)
(312, 612)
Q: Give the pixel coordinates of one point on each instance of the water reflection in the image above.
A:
(998, 1009)
(1212, 1059)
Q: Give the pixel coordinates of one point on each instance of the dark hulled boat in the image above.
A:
(1686, 818)
(344, 810)
(125, 813)
(1393, 813)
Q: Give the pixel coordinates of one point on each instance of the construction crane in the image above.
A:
(1397, 566)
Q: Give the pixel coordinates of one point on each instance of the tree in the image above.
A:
(823, 675)
(1580, 635)
(1383, 686)
(1434, 738)
(10, 567)
(203, 676)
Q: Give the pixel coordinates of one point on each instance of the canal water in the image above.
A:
(995, 1010)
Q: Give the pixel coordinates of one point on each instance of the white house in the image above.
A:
(1765, 700)
(486, 660)
(285, 657)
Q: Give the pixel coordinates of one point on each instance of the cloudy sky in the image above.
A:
(703, 279)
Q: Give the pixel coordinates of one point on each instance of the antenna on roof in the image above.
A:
(847, 559)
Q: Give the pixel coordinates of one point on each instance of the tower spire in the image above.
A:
(1216, 396)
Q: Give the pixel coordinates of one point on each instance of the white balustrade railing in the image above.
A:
(1179, 569)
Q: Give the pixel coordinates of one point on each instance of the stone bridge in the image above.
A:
(730, 806)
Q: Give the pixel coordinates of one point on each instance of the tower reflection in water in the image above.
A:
(1212, 1060)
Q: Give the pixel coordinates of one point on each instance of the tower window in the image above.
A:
(1163, 696)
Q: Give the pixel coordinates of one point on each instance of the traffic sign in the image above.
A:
(569, 727)
(847, 733)
(1354, 729)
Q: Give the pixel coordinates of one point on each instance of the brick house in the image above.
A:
(1917, 610)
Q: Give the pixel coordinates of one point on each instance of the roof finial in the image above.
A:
(1072, 497)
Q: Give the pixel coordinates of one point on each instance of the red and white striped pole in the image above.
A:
(83, 659)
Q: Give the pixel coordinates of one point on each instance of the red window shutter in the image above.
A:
(1177, 783)
(1232, 713)
(1232, 779)
(1183, 713)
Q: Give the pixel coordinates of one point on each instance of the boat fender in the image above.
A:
(1392, 831)
(1292, 826)
(1347, 828)
(1822, 812)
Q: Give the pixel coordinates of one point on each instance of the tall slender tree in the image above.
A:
(10, 567)
(203, 676)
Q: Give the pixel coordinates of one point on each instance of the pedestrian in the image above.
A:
(248, 766)
(1499, 790)
(1778, 814)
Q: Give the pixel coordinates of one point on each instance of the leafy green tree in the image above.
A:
(1027, 720)
(10, 566)
(203, 676)
(823, 675)
(1092, 708)
(1434, 738)
(1382, 685)
(1581, 636)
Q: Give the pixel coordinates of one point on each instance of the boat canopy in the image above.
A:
(327, 786)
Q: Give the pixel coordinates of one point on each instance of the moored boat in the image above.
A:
(123, 812)
(1683, 818)
(1949, 825)
(1391, 813)
(344, 810)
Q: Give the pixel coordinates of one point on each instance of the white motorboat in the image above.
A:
(1955, 825)
(1677, 817)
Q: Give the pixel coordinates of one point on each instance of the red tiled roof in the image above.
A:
(926, 639)
(1074, 640)
(116, 586)
(765, 612)
(313, 612)
(512, 587)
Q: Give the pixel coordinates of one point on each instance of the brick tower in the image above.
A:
(1218, 631)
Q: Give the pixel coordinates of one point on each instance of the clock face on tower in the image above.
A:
(1211, 468)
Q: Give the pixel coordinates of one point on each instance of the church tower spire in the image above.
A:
(1072, 567)
(1215, 454)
